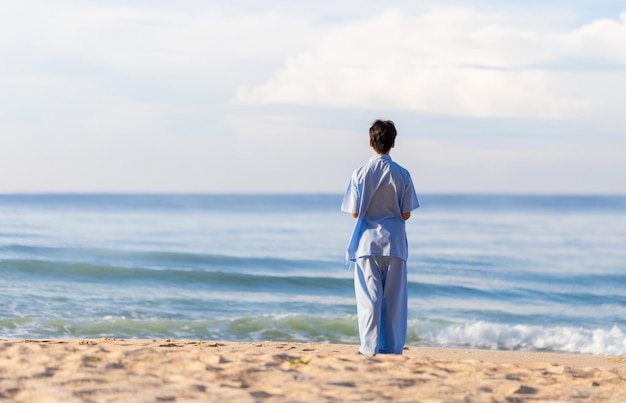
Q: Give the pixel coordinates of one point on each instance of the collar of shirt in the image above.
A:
(381, 156)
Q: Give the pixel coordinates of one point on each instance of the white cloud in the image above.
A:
(454, 61)
(604, 38)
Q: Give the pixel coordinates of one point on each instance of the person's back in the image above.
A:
(385, 185)
(381, 197)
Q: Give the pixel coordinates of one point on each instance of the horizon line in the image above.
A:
(297, 193)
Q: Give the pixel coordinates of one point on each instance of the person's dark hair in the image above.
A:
(382, 135)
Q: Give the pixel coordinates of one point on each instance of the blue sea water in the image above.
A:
(534, 273)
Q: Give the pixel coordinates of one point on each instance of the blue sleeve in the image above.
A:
(350, 202)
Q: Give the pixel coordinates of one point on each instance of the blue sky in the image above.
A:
(250, 96)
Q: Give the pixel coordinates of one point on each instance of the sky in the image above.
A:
(245, 96)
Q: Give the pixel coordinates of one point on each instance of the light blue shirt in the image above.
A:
(380, 192)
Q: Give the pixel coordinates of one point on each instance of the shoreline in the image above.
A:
(78, 370)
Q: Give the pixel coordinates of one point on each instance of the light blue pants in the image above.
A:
(380, 285)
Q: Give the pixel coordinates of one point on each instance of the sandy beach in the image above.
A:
(105, 370)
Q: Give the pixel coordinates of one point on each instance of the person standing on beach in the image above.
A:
(381, 197)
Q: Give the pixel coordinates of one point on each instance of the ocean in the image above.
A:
(508, 272)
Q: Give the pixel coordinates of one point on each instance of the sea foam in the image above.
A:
(480, 334)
